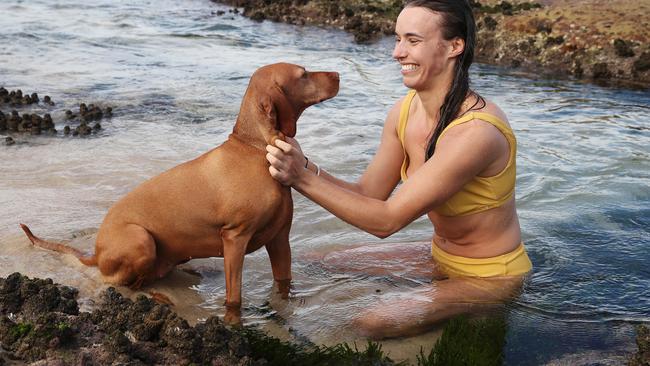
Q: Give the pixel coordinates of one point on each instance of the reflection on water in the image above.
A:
(175, 74)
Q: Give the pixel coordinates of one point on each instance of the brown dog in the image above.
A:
(222, 204)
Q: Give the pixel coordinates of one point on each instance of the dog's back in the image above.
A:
(187, 206)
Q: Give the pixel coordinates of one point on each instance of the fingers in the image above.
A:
(274, 150)
(275, 157)
(279, 176)
(274, 172)
(286, 161)
(284, 146)
(272, 159)
(277, 163)
(293, 142)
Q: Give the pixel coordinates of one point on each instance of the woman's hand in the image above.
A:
(287, 161)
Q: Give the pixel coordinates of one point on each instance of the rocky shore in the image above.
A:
(593, 40)
(40, 321)
(20, 116)
(40, 324)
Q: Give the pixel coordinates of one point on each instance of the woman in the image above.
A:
(455, 153)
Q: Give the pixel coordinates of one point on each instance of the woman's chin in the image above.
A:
(410, 84)
(410, 81)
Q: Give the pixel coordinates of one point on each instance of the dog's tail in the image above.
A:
(88, 260)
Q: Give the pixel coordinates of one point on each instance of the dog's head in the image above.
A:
(285, 90)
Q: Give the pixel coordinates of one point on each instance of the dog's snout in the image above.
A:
(334, 77)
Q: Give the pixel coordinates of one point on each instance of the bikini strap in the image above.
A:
(401, 129)
(404, 115)
(489, 118)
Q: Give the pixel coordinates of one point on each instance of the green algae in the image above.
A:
(20, 330)
(463, 342)
(468, 342)
(277, 352)
(642, 356)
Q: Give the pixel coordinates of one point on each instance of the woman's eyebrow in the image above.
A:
(410, 34)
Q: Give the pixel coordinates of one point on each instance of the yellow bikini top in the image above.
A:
(481, 193)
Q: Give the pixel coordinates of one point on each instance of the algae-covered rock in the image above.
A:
(35, 124)
(35, 297)
(40, 320)
(567, 33)
(366, 20)
(642, 357)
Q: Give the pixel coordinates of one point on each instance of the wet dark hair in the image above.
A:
(457, 21)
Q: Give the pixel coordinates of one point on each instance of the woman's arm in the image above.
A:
(383, 172)
(461, 154)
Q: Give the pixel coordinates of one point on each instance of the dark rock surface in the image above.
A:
(604, 41)
(642, 357)
(83, 122)
(40, 320)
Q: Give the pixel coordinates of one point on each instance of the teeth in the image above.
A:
(409, 67)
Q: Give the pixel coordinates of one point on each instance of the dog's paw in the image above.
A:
(232, 319)
(233, 314)
(284, 287)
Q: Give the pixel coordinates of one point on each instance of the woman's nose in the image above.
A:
(399, 51)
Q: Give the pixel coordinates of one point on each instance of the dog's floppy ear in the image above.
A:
(268, 109)
(280, 112)
(270, 127)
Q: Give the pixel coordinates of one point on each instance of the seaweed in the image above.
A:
(463, 342)
(20, 330)
(468, 342)
(277, 352)
(642, 356)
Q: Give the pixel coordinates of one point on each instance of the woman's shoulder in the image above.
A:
(490, 108)
(478, 123)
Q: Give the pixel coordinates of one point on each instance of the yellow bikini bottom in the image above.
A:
(515, 263)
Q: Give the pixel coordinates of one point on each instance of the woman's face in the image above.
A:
(421, 49)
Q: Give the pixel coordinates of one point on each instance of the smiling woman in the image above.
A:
(455, 153)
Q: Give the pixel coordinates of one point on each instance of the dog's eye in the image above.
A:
(304, 74)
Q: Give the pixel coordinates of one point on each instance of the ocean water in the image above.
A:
(174, 73)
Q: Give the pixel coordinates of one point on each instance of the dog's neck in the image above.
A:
(250, 130)
(258, 121)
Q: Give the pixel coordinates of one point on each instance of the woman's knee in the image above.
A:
(371, 325)
(402, 318)
(385, 322)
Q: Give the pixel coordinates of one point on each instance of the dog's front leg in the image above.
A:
(234, 249)
(280, 256)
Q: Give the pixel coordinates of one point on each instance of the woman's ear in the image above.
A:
(457, 46)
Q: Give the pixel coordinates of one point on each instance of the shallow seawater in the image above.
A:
(174, 73)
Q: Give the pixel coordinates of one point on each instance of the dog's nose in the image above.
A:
(334, 76)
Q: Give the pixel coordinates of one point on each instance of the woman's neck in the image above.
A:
(433, 95)
(432, 99)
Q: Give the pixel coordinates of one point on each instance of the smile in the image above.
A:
(406, 68)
